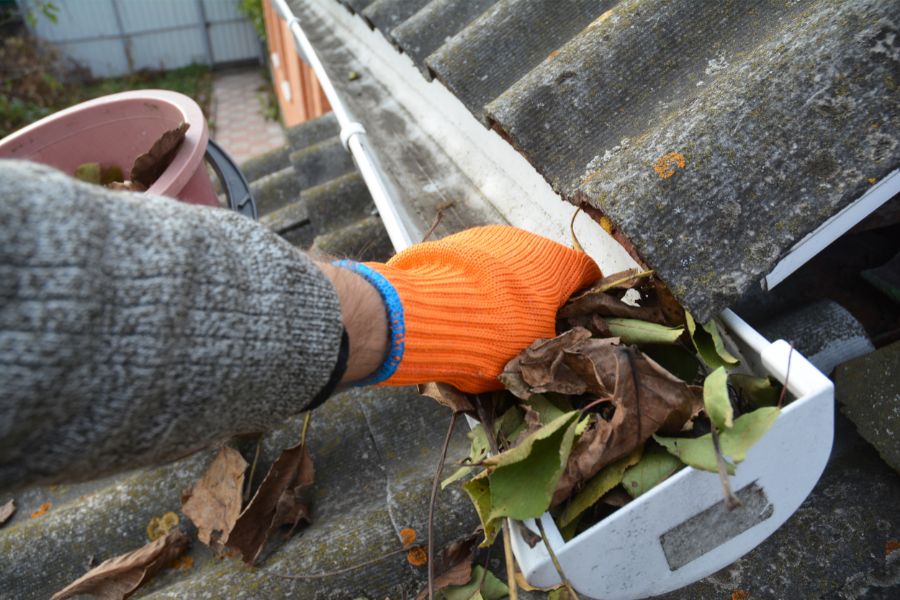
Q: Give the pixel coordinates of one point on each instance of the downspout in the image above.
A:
(353, 137)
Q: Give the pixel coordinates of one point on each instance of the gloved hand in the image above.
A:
(462, 307)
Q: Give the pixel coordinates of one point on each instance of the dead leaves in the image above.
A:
(214, 503)
(119, 577)
(145, 170)
(591, 398)
(278, 501)
(453, 564)
(149, 166)
(447, 395)
(644, 397)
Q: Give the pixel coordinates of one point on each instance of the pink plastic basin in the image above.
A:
(116, 129)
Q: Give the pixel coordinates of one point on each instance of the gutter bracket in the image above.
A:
(348, 131)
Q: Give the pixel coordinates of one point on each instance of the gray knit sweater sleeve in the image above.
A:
(136, 329)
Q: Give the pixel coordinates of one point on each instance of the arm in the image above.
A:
(136, 329)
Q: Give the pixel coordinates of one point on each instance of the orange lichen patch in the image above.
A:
(739, 595)
(162, 525)
(417, 557)
(667, 164)
(42, 510)
(182, 563)
(407, 536)
(589, 178)
(553, 55)
(871, 180)
(891, 546)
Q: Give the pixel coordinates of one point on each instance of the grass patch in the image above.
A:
(36, 82)
(194, 81)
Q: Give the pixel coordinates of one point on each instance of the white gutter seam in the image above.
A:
(353, 137)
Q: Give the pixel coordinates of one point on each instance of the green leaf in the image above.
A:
(523, 478)
(560, 593)
(568, 531)
(479, 490)
(545, 408)
(709, 343)
(583, 424)
(88, 172)
(716, 401)
(634, 331)
(483, 585)
(757, 391)
(655, 466)
(478, 451)
(735, 442)
(608, 478)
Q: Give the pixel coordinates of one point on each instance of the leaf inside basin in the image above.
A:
(635, 331)
(608, 478)
(655, 465)
(756, 391)
(522, 480)
(709, 343)
(716, 401)
(735, 442)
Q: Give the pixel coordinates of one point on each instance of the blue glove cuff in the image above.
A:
(397, 327)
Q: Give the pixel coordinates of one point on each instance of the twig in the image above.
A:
(487, 423)
(731, 501)
(249, 484)
(306, 419)
(787, 375)
(575, 243)
(434, 224)
(347, 569)
(510, 565)
(434, 491)
(559, 569)
(613, 284)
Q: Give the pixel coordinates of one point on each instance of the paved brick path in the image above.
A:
(240, 127)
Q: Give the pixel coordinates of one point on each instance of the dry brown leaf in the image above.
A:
(646, 397)
(149, 166)
(277, 502)
(617, 281)
(668, 305)
(214, 503)
(607, 305)
(119, 577)
(448, 396)
(593, 323)
(7, 511)
(539, 368)
(453, 564)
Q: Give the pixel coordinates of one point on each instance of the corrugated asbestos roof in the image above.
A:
(714, 134)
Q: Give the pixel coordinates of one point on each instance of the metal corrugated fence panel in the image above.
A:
(114, 37)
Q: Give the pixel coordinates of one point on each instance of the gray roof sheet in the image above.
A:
(385, 15)
(505, 43)
(714, 135)
(433, 25)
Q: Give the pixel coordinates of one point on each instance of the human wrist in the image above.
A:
(365, 321)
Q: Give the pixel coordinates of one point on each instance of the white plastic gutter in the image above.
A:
(836, 226)
(353, 137)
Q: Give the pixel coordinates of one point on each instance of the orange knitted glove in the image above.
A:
(474, 300)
